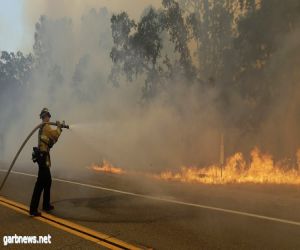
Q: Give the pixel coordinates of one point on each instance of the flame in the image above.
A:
(260, 169)
(107, 167)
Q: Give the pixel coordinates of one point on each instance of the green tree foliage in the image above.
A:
(139, 47)
(228, 44)
(15, 71)
(211, 24)
(136, 47)
(260, 34)
(174, 23)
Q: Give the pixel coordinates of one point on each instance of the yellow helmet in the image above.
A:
(45, 112)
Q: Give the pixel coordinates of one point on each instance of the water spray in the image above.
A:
(62, 125)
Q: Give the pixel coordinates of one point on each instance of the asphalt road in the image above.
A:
(163, 224)
(21, 225)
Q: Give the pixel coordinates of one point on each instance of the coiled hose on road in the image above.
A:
(23, 145)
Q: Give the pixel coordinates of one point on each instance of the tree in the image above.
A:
(175, 24)
(136, 48)
(260, 34)
(140, 48)
(211, 25)
(52, 41)
(15, 72)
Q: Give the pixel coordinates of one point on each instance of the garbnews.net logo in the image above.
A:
(16, 239)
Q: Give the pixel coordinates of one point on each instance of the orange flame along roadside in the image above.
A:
(261, 169)
(107, 167)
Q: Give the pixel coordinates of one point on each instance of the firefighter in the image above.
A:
(46, 139)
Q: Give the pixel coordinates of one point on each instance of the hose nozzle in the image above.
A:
(64, 125)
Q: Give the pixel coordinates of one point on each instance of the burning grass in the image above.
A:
(261, 169)
(106, 167)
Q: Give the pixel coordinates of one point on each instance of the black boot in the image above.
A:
(34, 213)
(48, 208)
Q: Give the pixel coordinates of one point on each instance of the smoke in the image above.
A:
(57, 9)
(182, 125)
(280, 131)
(178, 127)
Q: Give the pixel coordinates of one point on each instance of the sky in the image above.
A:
(11, 25)
(18, 17)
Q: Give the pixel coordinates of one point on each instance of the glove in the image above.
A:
(58, 124)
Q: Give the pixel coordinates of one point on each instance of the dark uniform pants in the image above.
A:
(43, 183)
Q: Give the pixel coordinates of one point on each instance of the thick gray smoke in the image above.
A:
(180, 126)
(280, 132)
(114, 123)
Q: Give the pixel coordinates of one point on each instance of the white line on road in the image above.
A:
(230, 211)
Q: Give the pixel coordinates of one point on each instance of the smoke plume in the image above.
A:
(181, 125)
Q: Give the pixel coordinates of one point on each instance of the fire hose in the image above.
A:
(62, 125)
